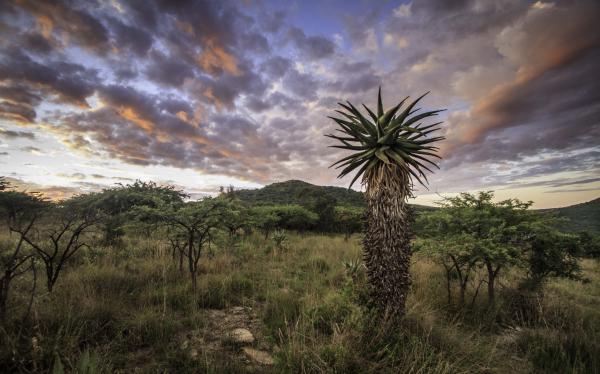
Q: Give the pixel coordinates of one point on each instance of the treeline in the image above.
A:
(474, 239)
(47, 235)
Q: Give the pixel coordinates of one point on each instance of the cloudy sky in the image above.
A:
(207, 93)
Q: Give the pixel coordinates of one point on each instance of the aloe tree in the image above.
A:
(391, 150)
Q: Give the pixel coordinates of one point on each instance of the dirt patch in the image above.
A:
(222, 334)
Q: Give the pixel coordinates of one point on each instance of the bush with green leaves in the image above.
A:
(349, 220)
(289, 217)
(118, 202)
(472, 232)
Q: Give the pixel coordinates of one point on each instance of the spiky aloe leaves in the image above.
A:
(393, 136)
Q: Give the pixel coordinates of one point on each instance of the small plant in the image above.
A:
(279, 237)
(354, 268)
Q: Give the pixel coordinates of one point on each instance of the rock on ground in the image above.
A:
(260, 357)
(241, 336)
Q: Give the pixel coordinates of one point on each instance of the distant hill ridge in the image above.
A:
(299, 192)
(582, 217)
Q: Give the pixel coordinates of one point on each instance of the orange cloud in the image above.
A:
(537, 50)
(214, 59)
(130, 114)
(46, 25)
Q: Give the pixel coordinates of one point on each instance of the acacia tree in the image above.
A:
(481, 231)
(21, 211)
(391, 151)
(264, 218)
(473, 232)
(116, 203)
(192, 227)
(235, 216)
(455, 254)
(61, 235)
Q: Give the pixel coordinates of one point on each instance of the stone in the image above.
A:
(241, 336)
(185, 345)
(261, 357)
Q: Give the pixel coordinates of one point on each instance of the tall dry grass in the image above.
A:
(118, 309)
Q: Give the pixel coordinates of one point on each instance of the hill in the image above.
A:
(580, 217)
(300, 192)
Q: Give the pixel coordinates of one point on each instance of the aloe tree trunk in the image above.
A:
(386, 242)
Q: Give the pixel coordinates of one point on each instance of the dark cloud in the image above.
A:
(446, 19)
(125, 73)
(19, 94)
(224, 90)
(314, 47)
(302, 85)
(17, 112)
(571, 183)
(276, 67)
(168, 70)
(355, 77)
(31, 149)
(574, 190)
(255, 42)
(34, 41)
(153, 114)
(255, 104)
(130, 37)
(287, 103)
(556, 111)
(552, 183)
(16, 134)
(360, 29)
(70, 82)
(64, 17)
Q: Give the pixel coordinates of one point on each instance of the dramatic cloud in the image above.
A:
(240, 91)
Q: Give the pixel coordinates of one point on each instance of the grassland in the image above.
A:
(130, 309)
